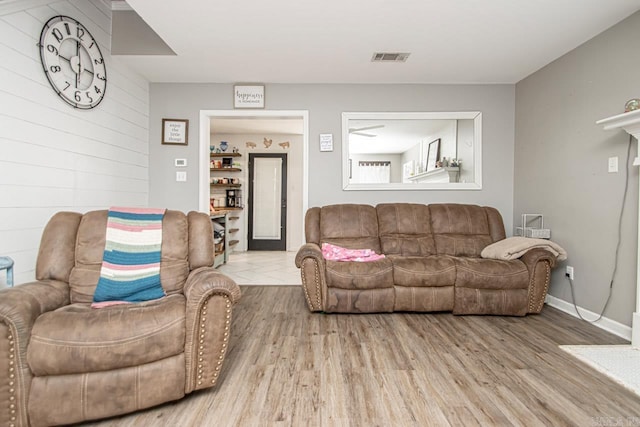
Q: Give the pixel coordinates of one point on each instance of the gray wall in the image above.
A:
(561, 164)
(325, 104)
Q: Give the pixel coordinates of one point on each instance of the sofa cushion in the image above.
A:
(90, 243)
(424, 298)
(437, 270)
(478, 273)
(359, 275)
(460, 230)
(405, 229)
(350, 226)
(359, 300)
(79, 339)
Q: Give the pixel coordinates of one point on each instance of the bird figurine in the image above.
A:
(284, 145)
(267, 143)
(251, 144)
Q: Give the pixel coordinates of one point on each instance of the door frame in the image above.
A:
(203, 151)
(260, 245)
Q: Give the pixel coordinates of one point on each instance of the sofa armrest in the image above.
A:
(539, 263)
(312, 269)
(210, 296)
(19, 309)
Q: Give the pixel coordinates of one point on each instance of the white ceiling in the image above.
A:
(395, 136)
(332, 41)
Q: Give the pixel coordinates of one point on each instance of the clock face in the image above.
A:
(72, 62)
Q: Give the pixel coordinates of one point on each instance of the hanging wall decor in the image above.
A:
(175, 131)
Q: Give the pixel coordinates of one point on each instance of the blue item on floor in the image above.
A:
(6, 263)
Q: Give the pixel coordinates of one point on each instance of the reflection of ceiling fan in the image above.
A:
(358, 131)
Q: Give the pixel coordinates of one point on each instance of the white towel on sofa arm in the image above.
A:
(515, 247)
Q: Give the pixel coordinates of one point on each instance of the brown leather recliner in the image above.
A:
(63, 362)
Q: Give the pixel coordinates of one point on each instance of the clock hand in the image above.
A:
(78, 70)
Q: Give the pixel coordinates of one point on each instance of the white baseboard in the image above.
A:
(616, 328)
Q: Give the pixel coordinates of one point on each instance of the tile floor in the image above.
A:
(262, 268)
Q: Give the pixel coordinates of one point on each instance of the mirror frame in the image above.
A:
(476, 116)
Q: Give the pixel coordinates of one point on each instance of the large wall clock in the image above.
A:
(72, 62)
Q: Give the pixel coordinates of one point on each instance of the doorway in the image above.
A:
(211, 121)
(268, 202)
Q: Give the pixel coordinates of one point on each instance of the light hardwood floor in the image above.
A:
(289, 367)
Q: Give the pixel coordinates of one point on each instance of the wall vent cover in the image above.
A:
(390, 56)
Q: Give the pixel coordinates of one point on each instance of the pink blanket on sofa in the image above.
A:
(337, 253)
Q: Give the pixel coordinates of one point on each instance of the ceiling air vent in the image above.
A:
(390, 57)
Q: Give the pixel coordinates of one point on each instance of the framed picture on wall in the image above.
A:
(248, 96)
(433, 155)
(175, 131)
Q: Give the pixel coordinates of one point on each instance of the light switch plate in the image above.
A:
(181, 176)
(613, 164)
(180, 162)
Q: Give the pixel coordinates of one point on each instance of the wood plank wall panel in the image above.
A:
(52, 156)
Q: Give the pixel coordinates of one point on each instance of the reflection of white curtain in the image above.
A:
(375, 174)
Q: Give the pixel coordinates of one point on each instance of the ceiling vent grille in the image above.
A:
(390, 57)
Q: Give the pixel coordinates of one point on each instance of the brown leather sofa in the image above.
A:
(64, 362)
(432, 261)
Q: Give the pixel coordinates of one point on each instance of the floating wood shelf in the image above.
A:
(233, 242)
(226, 154)
(233, 218)
(226, 169)
(226, 185)
(233, 230)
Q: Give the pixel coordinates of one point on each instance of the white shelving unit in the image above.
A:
(630, 122)
(221, 249)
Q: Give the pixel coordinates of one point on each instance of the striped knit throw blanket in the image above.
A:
(131, 263)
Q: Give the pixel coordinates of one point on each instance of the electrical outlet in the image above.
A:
(569, 272)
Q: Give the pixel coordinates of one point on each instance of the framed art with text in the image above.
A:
(175, 131)
(248, 96)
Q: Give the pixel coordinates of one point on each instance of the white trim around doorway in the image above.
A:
(203, 151)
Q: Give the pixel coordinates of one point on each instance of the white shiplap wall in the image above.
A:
(52, 156)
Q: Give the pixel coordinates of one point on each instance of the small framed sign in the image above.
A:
(326, 142)
(248, 96)
(175, 131)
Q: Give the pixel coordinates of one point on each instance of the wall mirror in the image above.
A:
(412, 151)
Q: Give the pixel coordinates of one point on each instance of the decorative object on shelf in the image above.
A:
(267, 142)
(632, 105)
(248, 96)
(250, 144)
(175, 131)
(212, 148)
(235, 150)
(284, 145)
(455, 163)
(224, 145)
(433, 155)
(537, 231)
(72, 62)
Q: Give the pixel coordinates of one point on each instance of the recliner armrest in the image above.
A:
(210, 297)
(205, 280)
(22, 305)
(539, 263)
(19, 309)
(309, 250)
(312, 265)
(532, 257)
